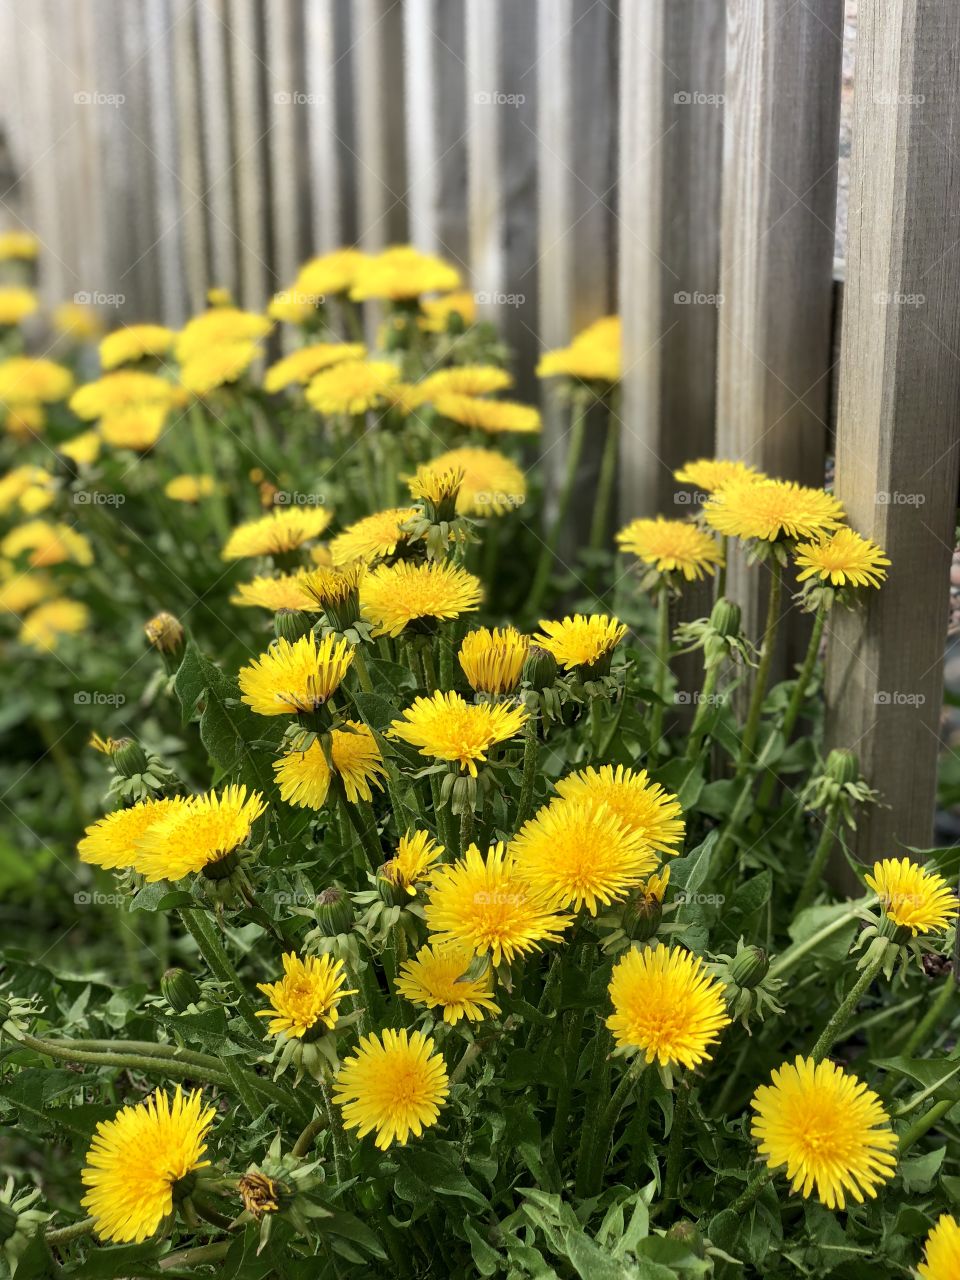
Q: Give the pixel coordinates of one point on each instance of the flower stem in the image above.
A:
(531, 755)
(847, 1008)
(360, 666)
(336, 1130)
(698, 728)
(681, 1106)
(198, 925)
(814, 876)
(548, 549)
(925, 1123)
(467, 829)
(753, 1188)
(446, 661)
(931, 1019)
(605, 482)
(303, 1144)
(64, 1235)
(605, 1126)
(65, 1052)
(663, 663)
(752, 726)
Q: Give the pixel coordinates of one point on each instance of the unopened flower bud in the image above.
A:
(260, 1194)
(539, 668)
(180, 989)
(334, 912)
(843, 767)
(129, 758)
(291, 625)
(686, 1232)
(642, 914)
(165, 633)
(726, 617)
(749, 967)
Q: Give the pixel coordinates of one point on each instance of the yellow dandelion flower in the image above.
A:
(353, 386)
(303, 774)
(770, 510)
(189, 488)
(137, 428)
(24, 421)
(447, 727)
(112, 841)
(912, 897)
(417, 853)
(438, 311)
(20, 246)
(492, 416)
(78, 321)
(283, 529)
(405, 397)
(136, 1160)
(373, 538)
(44, 625)
(491, 483)
(394, 1083)
(300, 366)
(219, 296)
(672, 546)
(711, 474)
(942, 1251)
(28, 381)
(641, 805)
(841, 559)
(46, 544)
(578, 853)
(395, 597)
(83, 448)
(466, 380)
(493, 660)
(436, 979)
(219, 327)
(18, 482)
(828, 1128)
(328, 587)
(164, 632)
(582, 641)
(305, 999)
(133, 343)
(292, 306)
(124, 389)
(21, 591)
(667, 1005)
(594, 355)
(216, 366)
(436, 488)
(198, 835)
(293, 678)
(331, 273)
(40, 494)
(486, 905)
(16, 304)
(402, 272)
(288, 591)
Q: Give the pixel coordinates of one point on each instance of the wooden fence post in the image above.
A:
(898, 445)
(378, 71)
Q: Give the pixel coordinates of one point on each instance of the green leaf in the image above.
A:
(376, 711)
(919, 1172)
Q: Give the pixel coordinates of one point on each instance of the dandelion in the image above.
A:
(215, 367)
(402, 272)
(438, 312)
(286, 591)
(112, 841)
(135, 342)
(771, 510)
(582, 642)
(120, 391)
(437, 979)
(28, 381)
(643, 806)
(493, 660)
(43, 627)
(16, 304)
(292, 678)
(191, 489)
(593, 356)
(305, 1000)
(492, 416)
(447, 727)
(394, 1083)
(417, 853)
(220, 327)
(417, 596)
(199, 835)
(141, 1161)
(83, 448)
(300, 366)
(484, 904)
(912, 897)
(712, 474)
(666, 1005)
(373, 538)
(490, 485)
(942, 1251)
(828, 1128)
(46, 544)
(20, 246)
(352, 387)
(77, 321)
(330, 274)
(18, 483)
(21, 591)
(303, 773)
(465, 380)
(672, 546)
(842, 559)
(283, 530)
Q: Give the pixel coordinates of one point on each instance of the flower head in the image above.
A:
(712, 474)
(942, 1251)
(352, 386)
(215, 366)
(112, 841)
(219, 327)
(394, 1083)
(448, 727)
(843, 558)
(189, 488)
(373, 538)
(46, 544)
(437, 979)
(581, 641)
(493, 660)
(196, 835)
(828, 1128)
(395, 597)
(21, 591)
(331, 273)
(18, 246)
(465, 380)
(594, 355)
(44, 625)
(16, 304)
(486, 905)
(672, 546)
(300, 366)
(643, 807)
(29, 381)
(438, 311)
(491, 484)
(303, 773)
(135, 342)
(402, 272)
(293, 678)
(119, 391)
(306, 997)
(771, 510)
(138, 427)
(287, 591)
(492, 416)
(667, 1005)
(912, 897)
(417, 852)
(136, 1160)
(78, 321)
(284, 529)
(83, 448)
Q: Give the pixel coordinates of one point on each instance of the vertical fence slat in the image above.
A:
(670, 158)
(324, 150)
(288, 106)
(378, 105)
(157, 66)
(251, 132)
(216, 188)
(898, 447)
(186, 80)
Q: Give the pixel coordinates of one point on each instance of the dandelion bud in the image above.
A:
(180, 989)
(260, 1194)
(540, 668)
(726, 617)
(129, 758)
(334, 912)
(641, 917)
(843, 767)
(291, 625)
(686, 1233)
(165, 633)
(749, 967)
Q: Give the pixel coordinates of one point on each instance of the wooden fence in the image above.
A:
(680, 155)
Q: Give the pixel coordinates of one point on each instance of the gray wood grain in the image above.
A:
(377, 55)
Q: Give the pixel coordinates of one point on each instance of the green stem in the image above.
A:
(196, 1257)
(303, 1144)
(340, 1158)
(64, 1235)
(363, 673)
(814, 876)
(753, 1188)
(680, 1109)
(603, 1133)
(65, 1052)
(446, 660)
(925, 1123)
(571, 1060)
(531, 755)
(467, 829)
(795, 705)
(662, 672)
(197, 924)
(548, 549)
(752, 726)
(429, 671)
(704, 705)
(848, 1007)
(793, 955)
(605, 483)
(931, 1019)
